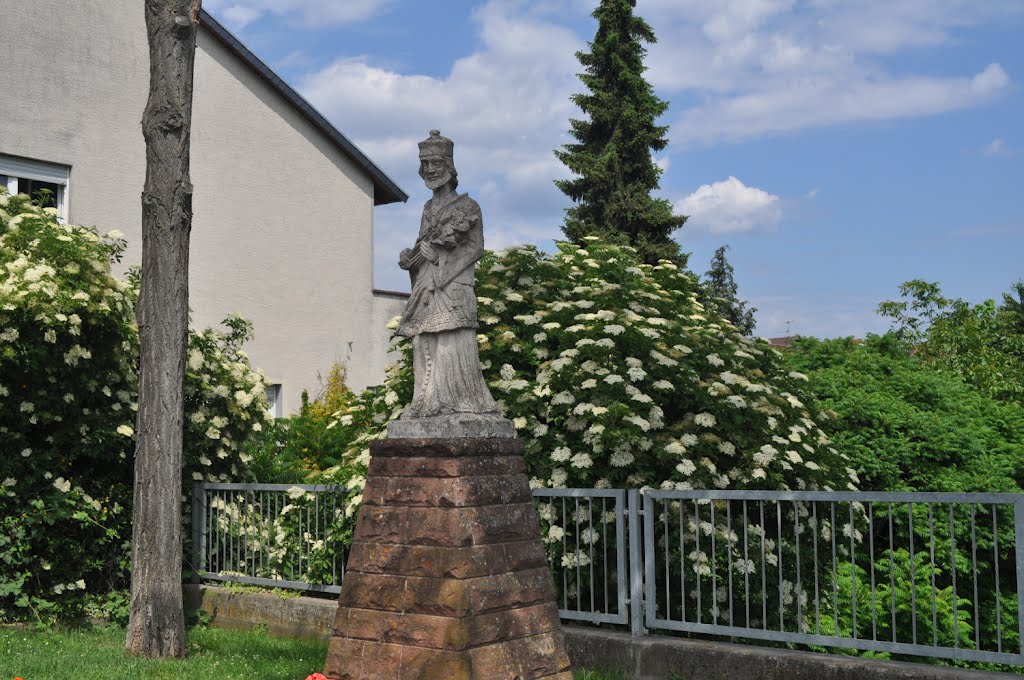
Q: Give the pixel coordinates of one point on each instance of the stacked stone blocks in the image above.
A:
(447, 578)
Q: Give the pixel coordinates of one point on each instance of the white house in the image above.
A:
(283, 206)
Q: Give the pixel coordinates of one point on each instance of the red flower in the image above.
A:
(314, 676)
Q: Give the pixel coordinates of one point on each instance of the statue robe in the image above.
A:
(441, 315)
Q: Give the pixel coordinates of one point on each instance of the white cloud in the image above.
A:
(308, 13)
(828, 101)
(505, 106)
(761, 67)
(997, 147)
(730, 206)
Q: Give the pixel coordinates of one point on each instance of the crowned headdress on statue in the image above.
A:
(437, 145)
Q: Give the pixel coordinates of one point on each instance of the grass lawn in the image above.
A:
(213, 654)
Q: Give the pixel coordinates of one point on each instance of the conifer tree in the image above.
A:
(611, 158)
(720, 291)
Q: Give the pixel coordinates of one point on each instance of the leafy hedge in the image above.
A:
(68, 397)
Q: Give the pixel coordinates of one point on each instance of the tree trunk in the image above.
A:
(156, 627)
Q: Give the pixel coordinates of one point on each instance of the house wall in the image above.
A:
(283, 220)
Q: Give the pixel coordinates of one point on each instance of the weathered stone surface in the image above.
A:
(446, 492)
(437, 562)
(447, 577)
(447, 448)
(420, 466)
(448, 527)
(454, 426)
(450, 396)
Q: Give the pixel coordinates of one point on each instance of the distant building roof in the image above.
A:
(784, 341)
(384, 188)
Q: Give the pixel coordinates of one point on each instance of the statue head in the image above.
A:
(437, 162)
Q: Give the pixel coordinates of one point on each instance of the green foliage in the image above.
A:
(615, 376)
(720, 294)
(907, 425)
(905, 587)
(68, 392)
(611, 157)
(982, 343)
(310, 441)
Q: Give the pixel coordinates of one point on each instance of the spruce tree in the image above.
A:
(720, 294)
(611, 159)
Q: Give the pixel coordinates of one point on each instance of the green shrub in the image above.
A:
(615, 376)
(68, 392)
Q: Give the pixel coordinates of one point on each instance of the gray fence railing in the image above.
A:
(275, 535)
(918, 574)
(924, 574)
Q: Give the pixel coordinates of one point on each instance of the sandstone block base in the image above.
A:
(447, 577)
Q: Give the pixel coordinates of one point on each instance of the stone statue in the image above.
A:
(451, 398)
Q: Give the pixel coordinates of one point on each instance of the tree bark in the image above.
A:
(156, 626)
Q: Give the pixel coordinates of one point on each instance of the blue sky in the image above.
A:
(838, 147)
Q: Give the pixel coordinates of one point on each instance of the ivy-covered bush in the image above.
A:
(68, 399)
(616, 376)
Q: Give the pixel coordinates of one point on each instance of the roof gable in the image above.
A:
(384, 188)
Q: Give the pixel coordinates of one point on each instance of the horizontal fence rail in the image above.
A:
(925, 574)
(917, 574)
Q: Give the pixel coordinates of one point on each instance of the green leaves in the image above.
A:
(615, 174)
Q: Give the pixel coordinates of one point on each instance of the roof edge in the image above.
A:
(385, 189)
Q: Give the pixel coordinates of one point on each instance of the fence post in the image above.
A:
(636, 609)
(198, 521)
(1018, 529)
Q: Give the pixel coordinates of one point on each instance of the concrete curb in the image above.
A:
(652, 657)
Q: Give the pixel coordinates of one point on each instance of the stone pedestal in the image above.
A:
(447, 577)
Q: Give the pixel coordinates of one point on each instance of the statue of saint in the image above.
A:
(440, 317)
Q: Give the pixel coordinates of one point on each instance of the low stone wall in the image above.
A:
(652, 657)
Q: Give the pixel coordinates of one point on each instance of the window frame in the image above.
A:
(274, 404)
(16, 168)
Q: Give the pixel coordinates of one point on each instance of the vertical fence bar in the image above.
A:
(764, 569)
(871, 556)
(995, 565)
(636, 623)
(817, 591)
(714, 568)
(576, 554)
(565, 574)
(892, 573)
(622, 581)
(931, 567)
(682, 557)
(728, 552)
(668, 580)
(698, 564)
(746, 569)
(796, 539)
(782, 602)
(604, 551)
(974, 572)
(952, 560)
(913, 577)
(853, 572)
(1018, 531)
(835, 578)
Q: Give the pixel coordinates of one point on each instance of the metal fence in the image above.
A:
(917, 574)
(926, 574)
(275, 535)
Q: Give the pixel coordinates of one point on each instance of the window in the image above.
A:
(274, 400)
(37, 179)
